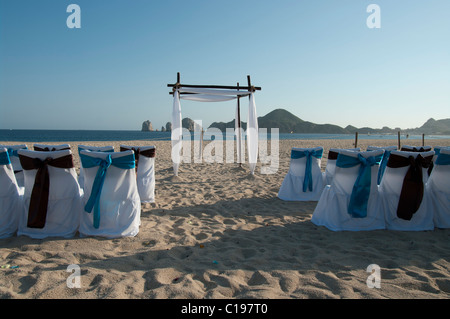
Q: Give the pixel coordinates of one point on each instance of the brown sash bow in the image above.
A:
(332, 155)
(46, 149)
(420, 149)
(37, 211)
(412, 188)
(138, 152)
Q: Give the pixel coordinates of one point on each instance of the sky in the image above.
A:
(317, 59)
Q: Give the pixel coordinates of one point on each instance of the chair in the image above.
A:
(304, 180)
(14, 158)
(331, 163)
(10, 198)
(410, 148)
(437, 151)
(387, 152)
(50, 148)
(112, 205)
(145, 171)
(52, 196)
(351, 202)
(93, 149)
(438, 190)
(402, 191)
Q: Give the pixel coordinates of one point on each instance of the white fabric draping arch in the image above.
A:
(214, 95)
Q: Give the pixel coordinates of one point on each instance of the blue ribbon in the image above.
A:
(124, 162)
(443, 159)
(296, 154)
(4, 158)
(13, 152)
(357, 207)
(383, 165)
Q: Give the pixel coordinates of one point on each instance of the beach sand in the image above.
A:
(216, 231)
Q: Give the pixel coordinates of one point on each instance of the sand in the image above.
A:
(217, 232)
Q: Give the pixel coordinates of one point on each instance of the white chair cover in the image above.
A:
(10, 198)
(296, 185)
(387, 152)
(331, 163)
(119, 206)
(438, 190)
(64, 199)
(391, 189)
(93, 149)
(145, 163)
(332, 210)
(14, 158)
(50, 148)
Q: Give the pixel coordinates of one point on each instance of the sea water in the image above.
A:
(59, 136)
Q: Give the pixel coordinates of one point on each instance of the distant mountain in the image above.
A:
(289, 123)
(434, 127)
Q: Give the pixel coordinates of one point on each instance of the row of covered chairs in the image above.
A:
(380, 188)
(52, 203)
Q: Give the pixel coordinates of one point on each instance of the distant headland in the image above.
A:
(290, 123)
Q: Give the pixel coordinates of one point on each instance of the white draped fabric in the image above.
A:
(215, 95)
(10, 199)
(177, 133)
(221, 92)
(207, 98)
(238, 133)
(252, 134)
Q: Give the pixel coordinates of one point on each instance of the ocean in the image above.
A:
(59, 136)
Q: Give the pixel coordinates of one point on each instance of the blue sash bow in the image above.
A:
(13, 152)
(296, 154)
(124, 162)
(383, 165)
(4, 158)
(443, 159)
(357, 207)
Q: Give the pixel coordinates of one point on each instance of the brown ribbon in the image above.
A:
(46, 149)
(37, 212)
(138, 152)
(420, 149)
(332, 155)
(412, 188)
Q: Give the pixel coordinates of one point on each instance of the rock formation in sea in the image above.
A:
(147, 126)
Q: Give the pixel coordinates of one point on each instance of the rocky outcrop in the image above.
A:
(147, 126)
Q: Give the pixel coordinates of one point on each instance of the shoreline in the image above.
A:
(217, 232)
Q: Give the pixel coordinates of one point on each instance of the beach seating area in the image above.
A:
(380, 188)
(217, 231)
(44, 196)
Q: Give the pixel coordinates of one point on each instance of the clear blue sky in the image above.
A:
(317, 59)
